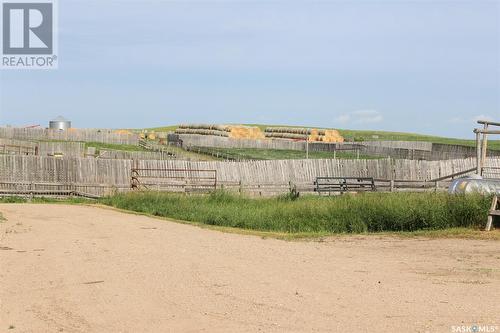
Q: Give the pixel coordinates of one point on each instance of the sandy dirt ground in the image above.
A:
(70, 268)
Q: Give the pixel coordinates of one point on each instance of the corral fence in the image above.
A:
(55, 189)
(413, 150)
(17, 149)
(73, 134)
(66, 149)
(42, 148)
(213, 152)
(10, 146)
(106, 176)
(227, 156)
(174, 180)
(136, 155)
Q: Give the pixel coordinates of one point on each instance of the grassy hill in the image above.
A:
(367, 135)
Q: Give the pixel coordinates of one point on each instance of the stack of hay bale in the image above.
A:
(310, 134)
(246, 132)
(289, 133)
(123, 132)
(202, 129)
(231, 131)
(330, 136)
(255, 133)
(147, 135)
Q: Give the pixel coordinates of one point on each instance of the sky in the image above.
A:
(430, 67)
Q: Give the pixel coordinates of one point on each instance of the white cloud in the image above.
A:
(360, 117)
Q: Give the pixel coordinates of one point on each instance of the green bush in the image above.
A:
(372, 212)
(12, 199)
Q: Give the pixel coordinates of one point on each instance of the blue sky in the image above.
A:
(418, 66)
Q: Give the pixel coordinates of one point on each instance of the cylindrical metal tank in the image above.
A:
(475, 185)
(60, 123)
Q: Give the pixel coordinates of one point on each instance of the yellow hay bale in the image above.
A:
(122, 131)
(314, 137)
(311, 134)
(333, 136)
(245, 132)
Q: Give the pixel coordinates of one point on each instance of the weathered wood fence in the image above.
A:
(42, 148)
(83, 135)
(96, 174)
(67, 149)
(414, 150)
(224, 142)
(411, 145)
(136, 155)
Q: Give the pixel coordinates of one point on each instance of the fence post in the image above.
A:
(31, 192)
(478, 153)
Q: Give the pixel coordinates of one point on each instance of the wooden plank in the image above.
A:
(493, 212)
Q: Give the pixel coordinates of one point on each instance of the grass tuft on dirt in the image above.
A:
(369, 212)
(20, 199)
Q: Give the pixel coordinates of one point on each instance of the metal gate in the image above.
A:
(174, 180)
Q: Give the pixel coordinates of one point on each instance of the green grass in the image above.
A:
(171, 128)
(399, 136)
(13, 199)
(184, 154)
(19, 199)
(99, 145)
(279, 154)
(369, 212)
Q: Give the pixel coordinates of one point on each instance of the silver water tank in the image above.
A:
(475, 185)
(60, 123)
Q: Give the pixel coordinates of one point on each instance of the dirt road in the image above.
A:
(85, 269)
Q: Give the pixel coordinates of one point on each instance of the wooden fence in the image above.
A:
(114, 173)
(223, 142)
(12, 142)
(136, 155)
(82, 135)
(411, 145)
(66, 149)
(42, 148)
(413, 150)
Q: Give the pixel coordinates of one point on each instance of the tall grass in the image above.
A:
(342, 214)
